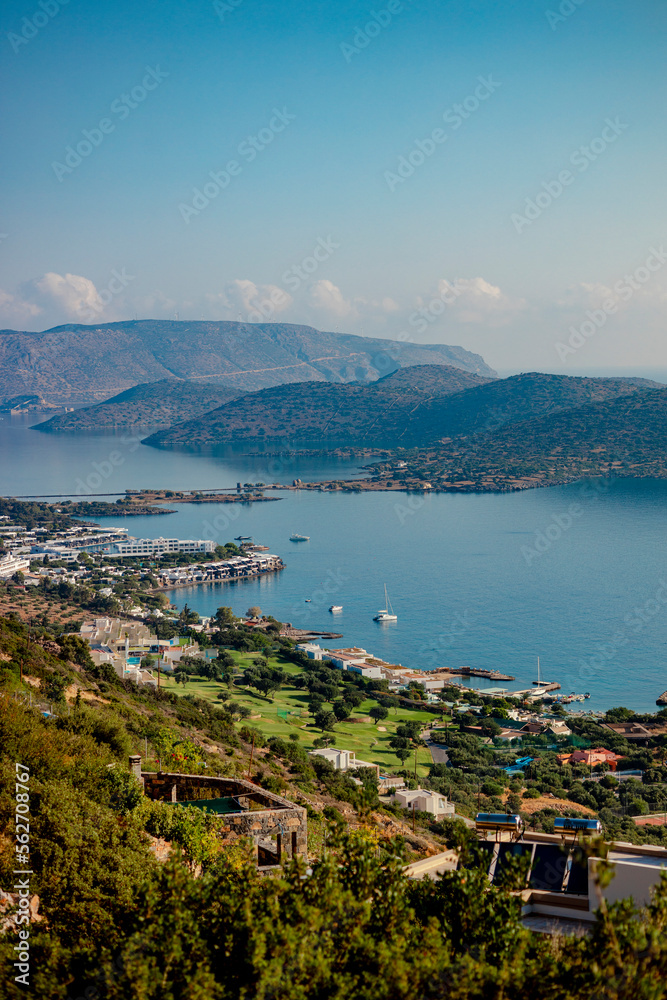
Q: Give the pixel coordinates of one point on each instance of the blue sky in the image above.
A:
(350, 106)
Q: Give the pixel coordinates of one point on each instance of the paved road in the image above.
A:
(438, 752)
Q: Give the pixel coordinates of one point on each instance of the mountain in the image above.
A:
(381, 411)
(622, 435)
(78, 364)
(25, 403)
(414, 406)
(154, 404)
(627, 433)
(485, 408)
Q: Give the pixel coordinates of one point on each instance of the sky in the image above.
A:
(481, 174)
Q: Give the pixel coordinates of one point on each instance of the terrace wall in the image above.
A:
(275, 817)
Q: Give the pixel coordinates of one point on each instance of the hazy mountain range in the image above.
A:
(76, 364)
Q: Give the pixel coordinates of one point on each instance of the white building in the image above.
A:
(13, 564)
(159, 546)
(343, 760)
(424, 800)
(355, 659)
(311, 649)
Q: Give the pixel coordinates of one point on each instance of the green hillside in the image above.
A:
(385, 411)
(153, 404)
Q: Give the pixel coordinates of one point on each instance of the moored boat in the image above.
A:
(386, 614)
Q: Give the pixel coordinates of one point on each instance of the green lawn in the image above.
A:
(288, 713)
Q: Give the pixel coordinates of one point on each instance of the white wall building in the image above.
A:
(13, 564)
(343, 760)
(424, 800)
(159, 546)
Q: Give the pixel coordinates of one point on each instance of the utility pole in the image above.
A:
(157, 636)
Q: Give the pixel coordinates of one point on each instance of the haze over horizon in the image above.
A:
(497, 169)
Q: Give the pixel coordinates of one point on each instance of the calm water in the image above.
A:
(487, 580)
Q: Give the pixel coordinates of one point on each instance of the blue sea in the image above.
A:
(576, 575)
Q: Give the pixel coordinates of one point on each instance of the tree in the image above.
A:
(188, 616)
(341, 710)
(54, 687)
(224, 618)
(402, 753)
(18, 578)
(378, 712)
(315, 703)
(76, 650)
(254, 612)
(325, 720)
(352, 696)
(267, 685)
(410, 730)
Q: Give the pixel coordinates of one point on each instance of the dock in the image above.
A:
(489, 675)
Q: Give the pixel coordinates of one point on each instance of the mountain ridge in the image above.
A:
(349, 412)
(414, 406)
(77, 364)
(151, 404)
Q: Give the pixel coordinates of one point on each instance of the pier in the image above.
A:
(489, 675)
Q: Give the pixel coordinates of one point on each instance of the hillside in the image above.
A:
(78, 364)
(624, 435)
(628, 434)
(152, 404)
(380, 411)
(483, 409)
(414, 406)
(156, 900)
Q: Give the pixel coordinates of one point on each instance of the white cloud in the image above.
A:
(241, 299)
(14, 311)
(71, 294)
(323, 295)
(478, 301)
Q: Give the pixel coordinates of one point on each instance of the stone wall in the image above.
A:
(262, 815)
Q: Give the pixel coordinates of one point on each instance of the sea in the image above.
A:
(575, 575)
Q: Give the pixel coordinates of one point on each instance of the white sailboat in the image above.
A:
(386, 614)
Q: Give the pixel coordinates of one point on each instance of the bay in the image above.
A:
(572, 574)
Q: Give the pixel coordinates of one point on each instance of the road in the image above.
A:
(438, 752)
